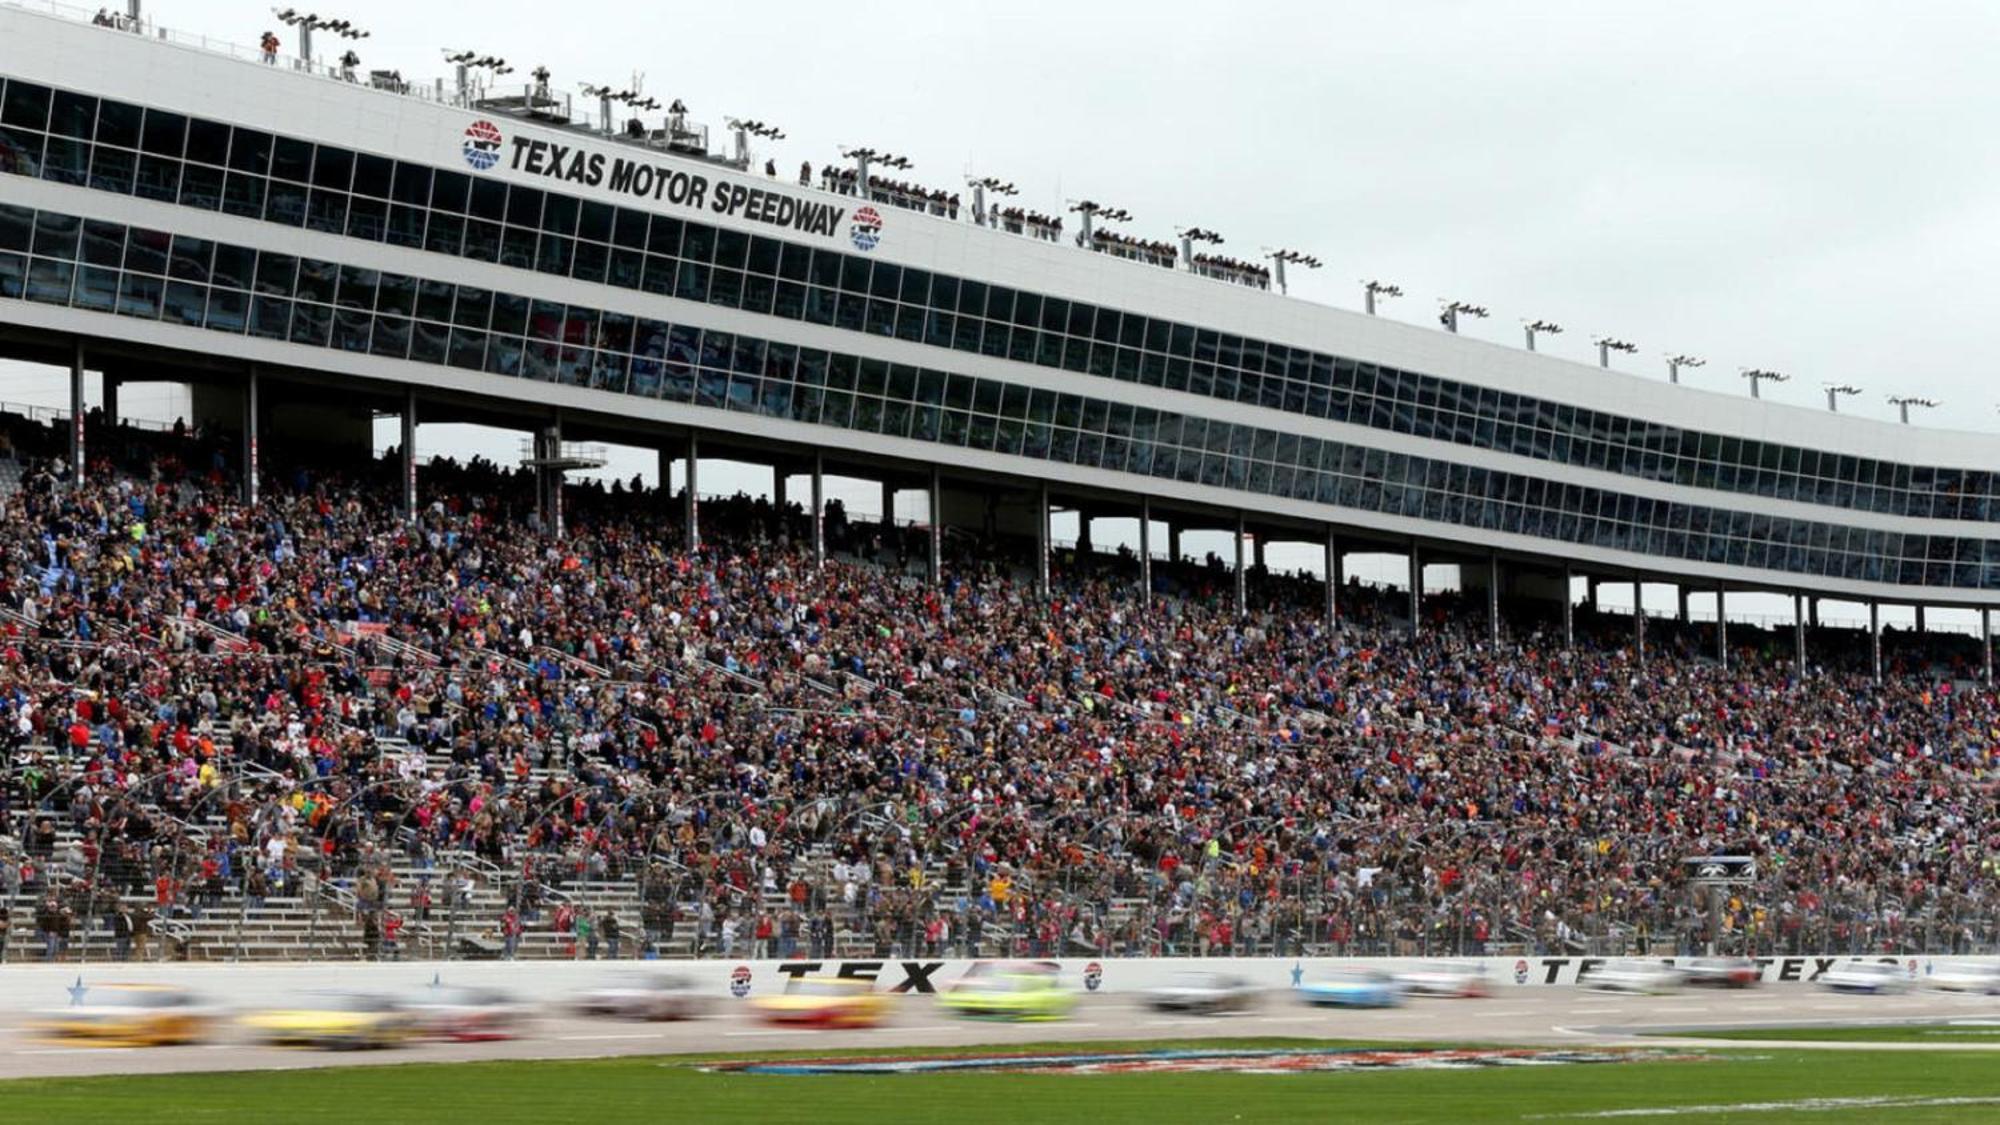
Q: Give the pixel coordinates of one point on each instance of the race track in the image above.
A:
(1559, 1016)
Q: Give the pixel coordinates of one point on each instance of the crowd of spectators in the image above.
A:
(1253, 274)
(1153, 252)
(896, 193)
(204, 703)
(1015, 220)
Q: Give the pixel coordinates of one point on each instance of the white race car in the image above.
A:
(1967, 976)
(466, 1015)
(1645, 977)
(1873, 977)
(1444, 978)
(644, 996)
(1203, 992)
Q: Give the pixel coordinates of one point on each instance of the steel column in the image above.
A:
(1146, 551)
(76, 450)
(819, 510)
(1242, 576)
(410, 454)
(692, 499)
(250, 412)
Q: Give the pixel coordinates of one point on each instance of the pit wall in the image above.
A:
(29, 987)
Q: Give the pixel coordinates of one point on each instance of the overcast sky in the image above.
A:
(1805, 185)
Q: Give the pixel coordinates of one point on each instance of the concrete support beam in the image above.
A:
(1146, 551)
(1569, 608)
(888, 503)
(1416, 589)
(1639, 622)
(1875, 639)
(1920, 618)
(1683, 611)
(1493, 599)
(1721, 629)
(1812, 613)
(1173, 543)
(819, 510)
(691, 500)
(1986, 645)
(410, 454)
(1332, 578)
(1042, 539)
(1257, 553)
(1799, 632)
(251, 413)
(778, 496)
(111, 385)
(1242, 575)
(937, 527)
(76, 450)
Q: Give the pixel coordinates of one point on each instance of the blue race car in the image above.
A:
(1357, 988)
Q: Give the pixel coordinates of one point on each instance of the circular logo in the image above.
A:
(1520, 972)
(1093, 975)
(482, 145)
(867, 228)
(739, 981)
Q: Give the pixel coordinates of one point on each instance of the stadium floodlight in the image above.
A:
(1281, 258)
(605, 95)
(1452, 310)
(1758, 376)
(1904, 402)
(1833, 393)
(1093, 213)
(1191, 235)
(1679, 360)
(309, 22)
(865, 158)
(1536, 328)
(1608, 344)
(745, 129)
(980, 186)
(468, 61)
(1373, 289)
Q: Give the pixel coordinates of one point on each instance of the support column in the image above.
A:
(691, 500)
(1683, 618)
(1812, 613)
(1416, 589)
(1242, 576)
(937, 527)
(549, 477)
(1493, 599)
(1257, 553)
(410, 454)
(1721, 630)
(778, 490)
(1083, 544)
(250, 413)
(1986, 644)
(1799, 631)
(1146, 551)
(1920, 618)
(111, 384)
(76, 451)
(1639, 622)
(1590, 593)
(1569, 608)
(1173, 543)
(1875, 639)
(1332, 579)
(1042, 539)
(888, 504)
(819, 510)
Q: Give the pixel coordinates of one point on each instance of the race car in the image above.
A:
(1875, 978)
(1720, 972)
(1444, 978)
(1356, 988)
(1204, 993)
(824, 1002)
(467, 1015)
(135, 1015)
(1010, 994)
(644, 996)
(335, 1020)
(1981, 977)
(1644, 977)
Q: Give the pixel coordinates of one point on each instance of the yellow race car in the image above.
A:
(335, 1020)
(131, 1015)
(1027, 992)
(825, 1002)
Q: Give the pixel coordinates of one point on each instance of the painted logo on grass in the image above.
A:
(482, 145)
(739, 981)
(1255, 1061)
(866, 230)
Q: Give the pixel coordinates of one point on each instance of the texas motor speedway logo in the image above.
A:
(482, 145)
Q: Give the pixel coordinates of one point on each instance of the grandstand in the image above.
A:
(269, 696)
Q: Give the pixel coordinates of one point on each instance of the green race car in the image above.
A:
(1010, 994)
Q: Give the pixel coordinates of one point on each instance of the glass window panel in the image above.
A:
(25, 105)
(165, 134)
(140, 296)
(372, 175)
(118, 123)
(113, 170)
(524, 207)
(72, 115)
(158, 178)
(97, 289)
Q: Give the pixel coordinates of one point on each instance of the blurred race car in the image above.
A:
(136, 1015)
(1968, 976)
(1644, 977)
(1721, 972)
(1444, 978)
(645, 996)
(1357, 988)
(335, 1020)
(467, 1015)
(824, 1002)
(1203, 992)
(1013, 993)
(1872, 977)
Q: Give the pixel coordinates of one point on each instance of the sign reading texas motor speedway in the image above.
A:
(634, 177)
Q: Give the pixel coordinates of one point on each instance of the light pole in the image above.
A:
(982, 185)
(1370, 290)
(1189, 237)
(1833, 393)
(1608, 344)
(1280, 258)
(865, 158)
(744, 130)
(465, 62)
(1455, 309)
(309, 22)
(1677, 361)
(1535, 328)
(1904, 402)
(1092, 212)
(1759, 376)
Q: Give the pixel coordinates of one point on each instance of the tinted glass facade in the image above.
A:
(118, 270)
(113, 146)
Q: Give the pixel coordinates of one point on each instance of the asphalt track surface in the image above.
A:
(1556, 1016)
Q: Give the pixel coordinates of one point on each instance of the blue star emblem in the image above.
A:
(77, 992)
(1298, 972)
